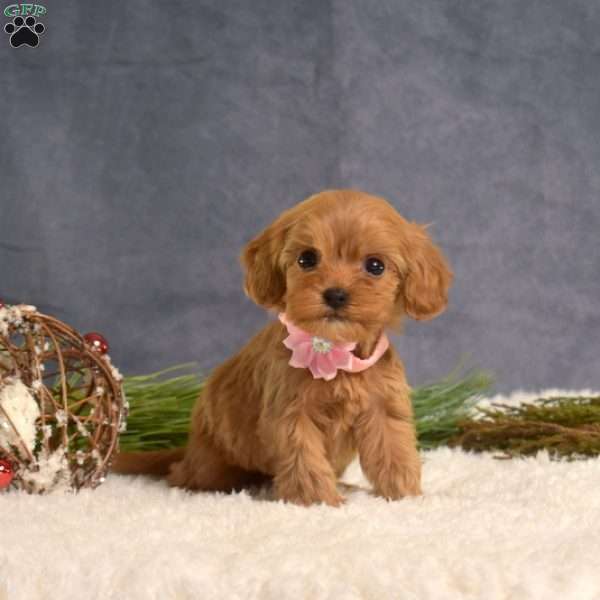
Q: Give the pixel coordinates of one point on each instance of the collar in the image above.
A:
(324, 357)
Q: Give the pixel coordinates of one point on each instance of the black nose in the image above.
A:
(335, 297)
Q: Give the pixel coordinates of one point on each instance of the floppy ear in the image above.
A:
(428, 278)
(265, 279)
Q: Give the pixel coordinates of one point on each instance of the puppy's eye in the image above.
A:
(374, 266)
(308, 259)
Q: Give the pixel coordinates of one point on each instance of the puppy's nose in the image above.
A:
(335, 297)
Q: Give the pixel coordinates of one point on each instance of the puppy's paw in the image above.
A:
(396, 485)
(334, 500)
(177, 475)
(307, 497)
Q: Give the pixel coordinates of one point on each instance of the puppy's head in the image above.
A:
(343, 264)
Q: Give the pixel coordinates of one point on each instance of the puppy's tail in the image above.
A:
(146, 463)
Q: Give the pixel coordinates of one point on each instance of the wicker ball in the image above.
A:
(61, 403)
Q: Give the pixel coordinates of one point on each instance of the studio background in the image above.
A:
(142, 144)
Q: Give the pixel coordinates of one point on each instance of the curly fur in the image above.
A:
(258, 418)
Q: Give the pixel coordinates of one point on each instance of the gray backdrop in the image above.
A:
(142, 144)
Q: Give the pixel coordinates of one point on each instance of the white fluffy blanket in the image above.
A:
(484, 529)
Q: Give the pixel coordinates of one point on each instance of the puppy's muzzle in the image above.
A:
(335, 297)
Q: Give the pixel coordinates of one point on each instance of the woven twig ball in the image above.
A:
(61, 403)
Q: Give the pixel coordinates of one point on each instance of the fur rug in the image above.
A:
(484, 529)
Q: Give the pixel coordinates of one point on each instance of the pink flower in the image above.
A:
(322, 356)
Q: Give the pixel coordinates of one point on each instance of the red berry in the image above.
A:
(6, 474)
(97, 342)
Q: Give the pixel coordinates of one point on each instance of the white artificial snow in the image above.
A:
(48, 473)
(519, 397)
(18, 404)
(26, 308)
(81, 428)
(13, 315)
(7, 316)
(61, 417)
(113, 370)
(484, 529)
(124, 412)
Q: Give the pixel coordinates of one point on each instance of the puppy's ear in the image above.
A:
(428, 277)
(265, 278)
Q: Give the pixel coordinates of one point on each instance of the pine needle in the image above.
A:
(440, 406)
(160, 406)
(568, 428)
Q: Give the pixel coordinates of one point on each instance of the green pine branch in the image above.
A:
(160, 406)
(566, 427)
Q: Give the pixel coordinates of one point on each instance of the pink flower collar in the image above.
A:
(324, 357)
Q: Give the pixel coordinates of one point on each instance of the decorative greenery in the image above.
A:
(161, 404)
(566, 427)
(440, 406)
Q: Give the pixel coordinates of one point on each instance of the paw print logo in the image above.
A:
(24, 31)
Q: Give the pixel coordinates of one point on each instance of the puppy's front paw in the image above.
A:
(306, 496)
(335, 500)
(398, 484)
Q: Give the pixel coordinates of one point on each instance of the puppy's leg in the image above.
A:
(386, 440)
(303, 473)
(204, 468)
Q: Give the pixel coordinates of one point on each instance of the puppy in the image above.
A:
(320, 383)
